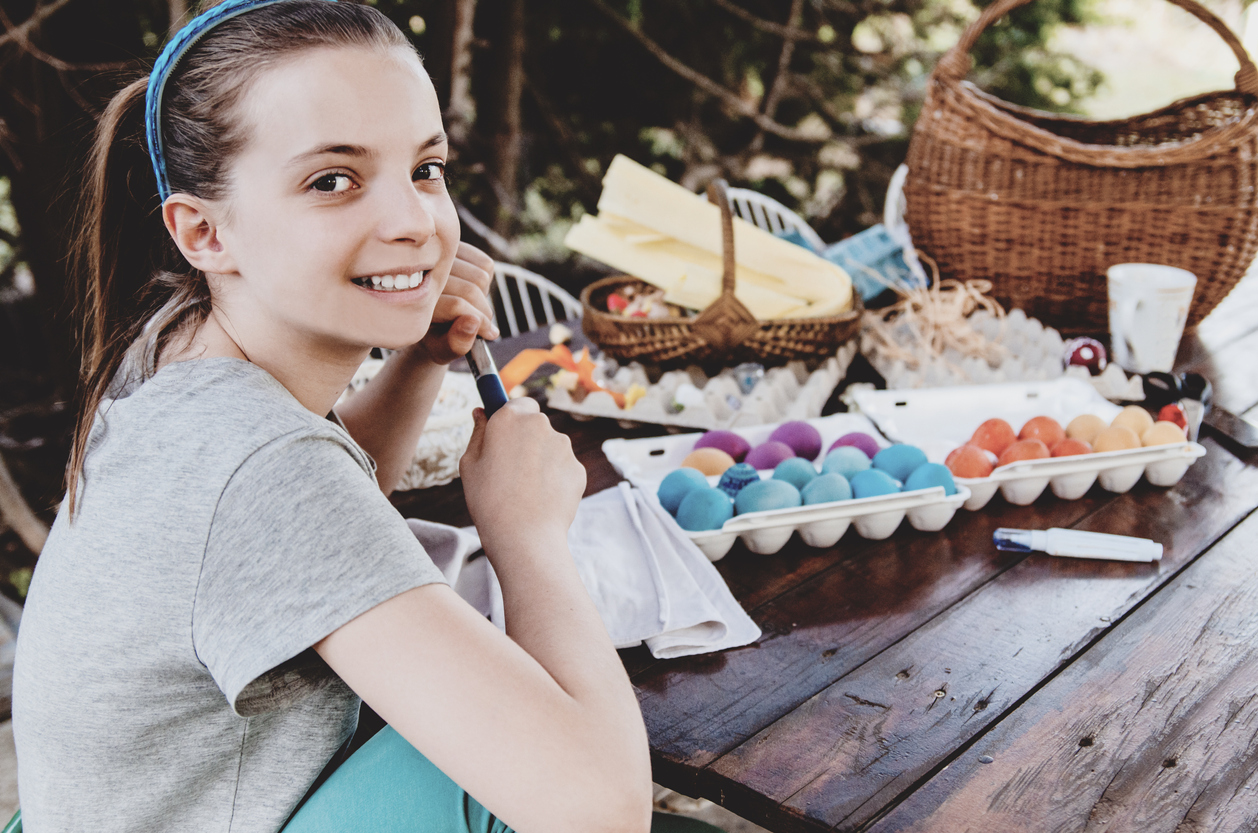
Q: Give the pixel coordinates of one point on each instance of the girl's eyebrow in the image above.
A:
(358, 151)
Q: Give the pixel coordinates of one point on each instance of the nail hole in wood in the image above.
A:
(902, 675)
(1085, 741)
(1169, 762)
(829, 652)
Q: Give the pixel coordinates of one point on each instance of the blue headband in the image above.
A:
(183, 40)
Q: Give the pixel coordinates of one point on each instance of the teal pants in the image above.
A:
(387, 785)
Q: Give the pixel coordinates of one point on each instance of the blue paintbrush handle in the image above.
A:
(492, 393)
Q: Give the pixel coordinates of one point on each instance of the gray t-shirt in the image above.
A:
(165, 678)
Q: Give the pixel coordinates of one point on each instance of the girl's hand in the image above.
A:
(520, 478)
(463, 311)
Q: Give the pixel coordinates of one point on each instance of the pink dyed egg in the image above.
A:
(860, 440)
(727, 441)
(767, 455)
(803, 439)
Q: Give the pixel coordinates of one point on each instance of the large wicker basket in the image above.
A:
(1043, 204)
(724, 333)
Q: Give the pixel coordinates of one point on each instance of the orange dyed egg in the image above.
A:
(711, 461)
(1163, 433)
(995, 435)
(1045, 429)
(1116, 438)
(1023, 450)
(1085, 427)
(1069, 447)
(1135, 418)
(969, 461)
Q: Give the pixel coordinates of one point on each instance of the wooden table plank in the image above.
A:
(1155, 729)
(847, 752)
(853, 611)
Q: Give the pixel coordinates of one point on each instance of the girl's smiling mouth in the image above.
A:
(393, 282)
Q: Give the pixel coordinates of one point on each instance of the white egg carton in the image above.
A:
(645, 462)
(937, 420)
(1033, 353)
(784, 394)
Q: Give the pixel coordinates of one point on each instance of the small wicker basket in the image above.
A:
(724, 333)
(1042, 204)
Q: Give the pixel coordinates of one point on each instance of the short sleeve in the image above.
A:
(302, 542)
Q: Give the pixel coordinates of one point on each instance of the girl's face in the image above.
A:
(337, 194)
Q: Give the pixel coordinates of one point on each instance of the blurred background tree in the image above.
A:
(809, 101)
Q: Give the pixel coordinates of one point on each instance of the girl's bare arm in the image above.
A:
(540, 724)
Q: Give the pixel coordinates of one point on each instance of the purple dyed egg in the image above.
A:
(768, 455)
(803, 439)
(859, 440)
(727, 441)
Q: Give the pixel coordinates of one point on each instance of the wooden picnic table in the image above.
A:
(930, 682)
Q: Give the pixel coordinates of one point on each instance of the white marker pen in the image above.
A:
(1074, 543)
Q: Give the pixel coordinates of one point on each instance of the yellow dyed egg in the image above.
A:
(1115, 438)
(1085, 427)
(1163, 433)
(1135, 418)
(711, 461)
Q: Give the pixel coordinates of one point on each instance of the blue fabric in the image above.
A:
(183, 40)
(794, 236)
(872, 249)
(388, 785)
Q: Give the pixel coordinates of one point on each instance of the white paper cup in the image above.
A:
(1148, 305)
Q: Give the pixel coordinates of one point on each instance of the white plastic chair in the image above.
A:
(770, 215)
(521, 301)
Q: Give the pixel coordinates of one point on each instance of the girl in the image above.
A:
(225, 579)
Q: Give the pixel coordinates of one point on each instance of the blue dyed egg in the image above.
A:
(931, 474)
(874, 483)
(846, 460)
(674, 488)
(825, 488)
(767, 494)
(704, 509)
(899, 460)
(797, 471)
(736, 478)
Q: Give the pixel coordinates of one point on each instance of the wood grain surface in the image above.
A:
(857, 745)
(1154, 730)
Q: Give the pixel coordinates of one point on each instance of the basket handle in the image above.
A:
(718, 196)
(956, 63)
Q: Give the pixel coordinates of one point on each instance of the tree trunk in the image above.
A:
(505, 159)
(461, 109)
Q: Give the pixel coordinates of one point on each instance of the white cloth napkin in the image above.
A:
(648, 581)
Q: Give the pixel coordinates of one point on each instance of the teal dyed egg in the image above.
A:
(931, 474)
(874, 483)
(767, 494)
(674, 488)
(825, 488)
(704, 509)
(846, 460)
(899, 460)
(797, 471)
(736, 478)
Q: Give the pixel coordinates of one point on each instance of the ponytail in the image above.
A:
(128, 268)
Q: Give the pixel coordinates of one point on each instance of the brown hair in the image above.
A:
(137, 290)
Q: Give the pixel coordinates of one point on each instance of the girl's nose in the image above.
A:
(407, 214)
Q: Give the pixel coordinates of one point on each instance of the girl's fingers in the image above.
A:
(473, 316)
(473, 266)
(470, 292)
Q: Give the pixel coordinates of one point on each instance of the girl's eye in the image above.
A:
(333, 183)
(430, 171)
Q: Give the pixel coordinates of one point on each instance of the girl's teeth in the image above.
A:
(395, 282)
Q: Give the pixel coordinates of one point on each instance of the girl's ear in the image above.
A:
(192, 223)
